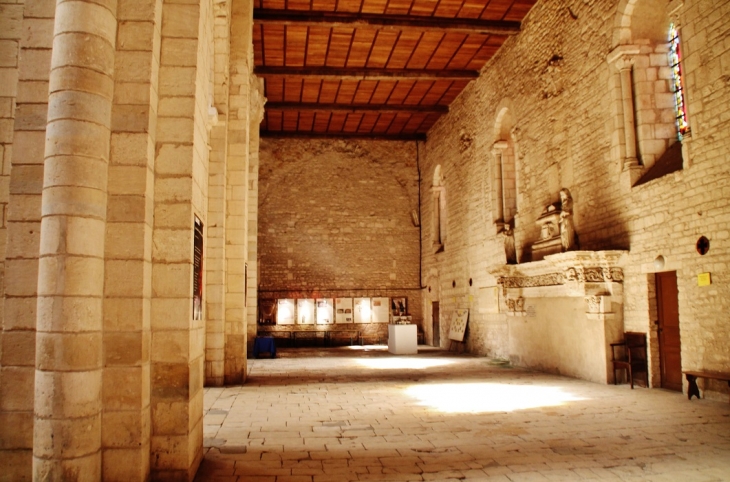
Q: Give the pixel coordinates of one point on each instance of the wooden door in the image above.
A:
(670, 357)
(436, 324)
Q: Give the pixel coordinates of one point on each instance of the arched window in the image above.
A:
(644, 140)
(438, 233)
(675, 62)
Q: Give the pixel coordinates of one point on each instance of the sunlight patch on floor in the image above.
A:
(487, 397)
(394, 363)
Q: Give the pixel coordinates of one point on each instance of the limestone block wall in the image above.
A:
(27, 36)
(556, 83)
(335, 217)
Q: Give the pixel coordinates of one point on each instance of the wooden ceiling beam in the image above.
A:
(357, 108)
(329, 73)
(342, 135)
(385, 22)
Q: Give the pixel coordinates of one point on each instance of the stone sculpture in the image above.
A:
(509, 244)
(567, 230)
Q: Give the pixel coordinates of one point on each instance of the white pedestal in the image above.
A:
(403, 339)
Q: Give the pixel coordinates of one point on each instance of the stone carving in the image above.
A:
(573, 274)
(567, 230)
(509, 244)
(594, 275)
(594, 304)
(551, 279)
(516, 306)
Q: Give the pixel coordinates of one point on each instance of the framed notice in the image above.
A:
(305, 312)
(362, 310)
(197, 269)
(458, 325)
(343, 310)
(325, 311)
(399, 306)
(285, 310)
(380, 312)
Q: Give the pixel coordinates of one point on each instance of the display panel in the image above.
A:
(380, 312)
(343, 307)
(305, 312)
(285, 312)
(325, 311)
(362, 310)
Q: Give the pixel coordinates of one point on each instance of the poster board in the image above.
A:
(362, 310)
(285, 311)
(458, 325)
(305, 311)
(325, 311)
(380, 312)
(343, 310)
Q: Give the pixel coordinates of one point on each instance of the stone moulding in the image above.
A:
(563, 268)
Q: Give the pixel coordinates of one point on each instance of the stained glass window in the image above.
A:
(675, 59)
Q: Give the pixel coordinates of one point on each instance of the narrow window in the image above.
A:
(675, 62)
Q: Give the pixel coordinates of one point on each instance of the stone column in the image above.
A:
(67, 431)
(498, 153)
(257, 101)
(627, 101)
(622, 60)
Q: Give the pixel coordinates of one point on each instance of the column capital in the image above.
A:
(622, 57)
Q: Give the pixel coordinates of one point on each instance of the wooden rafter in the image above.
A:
(385, 22)
(354, 108)
(335, 135)
(329, 73)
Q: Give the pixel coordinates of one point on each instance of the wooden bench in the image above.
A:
(308, 335)
(693, 375)
(331, 335)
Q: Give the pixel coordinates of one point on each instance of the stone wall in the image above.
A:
(336, 220)
(557, 86)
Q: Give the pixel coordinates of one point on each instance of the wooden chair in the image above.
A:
(632, 358)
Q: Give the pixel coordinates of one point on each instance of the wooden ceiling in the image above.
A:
(372, 68)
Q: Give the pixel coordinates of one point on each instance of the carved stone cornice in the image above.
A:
(570, 268)
(622, 57)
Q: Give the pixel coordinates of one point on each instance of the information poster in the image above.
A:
(380, 312)
(458, 325)
(198, 269)
(362, 310)
(325, 311)
(305, 312)
(343, 310)
(285, 311)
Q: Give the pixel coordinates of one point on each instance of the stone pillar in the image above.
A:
(215, 264)
(237, 164)
(67, 431)
(127, 269)
(257, 115)
(177, 355)
(30, 26)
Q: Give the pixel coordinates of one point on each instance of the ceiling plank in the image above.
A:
(342, 135)
(354, 108)
(365, 74)
(385, 22)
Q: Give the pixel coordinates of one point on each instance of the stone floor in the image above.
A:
(361, 414)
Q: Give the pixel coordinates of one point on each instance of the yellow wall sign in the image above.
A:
(704, 279)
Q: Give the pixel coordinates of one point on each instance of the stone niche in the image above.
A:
(564, 311)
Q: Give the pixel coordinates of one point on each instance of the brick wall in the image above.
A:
(335, 219)
(557, 82)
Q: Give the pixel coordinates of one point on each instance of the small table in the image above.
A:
(264, 344)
